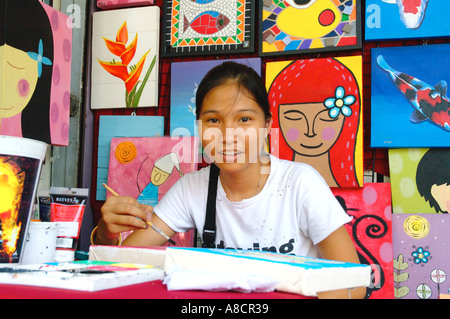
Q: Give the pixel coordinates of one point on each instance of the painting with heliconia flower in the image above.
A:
(125, 52)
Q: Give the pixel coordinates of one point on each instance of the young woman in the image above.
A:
(262, 203)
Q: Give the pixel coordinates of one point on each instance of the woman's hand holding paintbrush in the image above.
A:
(123, 213)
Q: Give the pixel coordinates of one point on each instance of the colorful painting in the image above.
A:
(20, 167)
(114, 4)
(371, 231)
(146, 167)
(402, 19)
(185, 78)
(35, 72)
(409, 103)
(125, 53)
(421, 259)
(202, 27)
(111, 126)
(420, 179)
(317, 116)
(289, 26)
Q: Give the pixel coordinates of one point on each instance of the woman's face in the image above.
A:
(21, 74)
(233, 127)
(308, 129)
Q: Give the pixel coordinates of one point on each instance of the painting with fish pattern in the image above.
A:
(403, 19)
(410, 106)
(304, 26)
(202, 27)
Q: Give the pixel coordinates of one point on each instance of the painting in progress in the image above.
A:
(193, 27)
(371, 232)
(420, 179)
(111, 126)
(421, 260)
(185, 78)
(146, 167)
(291, 26)
(35, 72)
(125, 55)
(402, 19)
(316, 108)
(409, 104)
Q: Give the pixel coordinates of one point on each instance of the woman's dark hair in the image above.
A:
(234, 73)
(26, 24)
(433, 169)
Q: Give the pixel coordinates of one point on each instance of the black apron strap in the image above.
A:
(209, 230)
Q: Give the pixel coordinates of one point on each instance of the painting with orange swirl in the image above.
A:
(146, 167)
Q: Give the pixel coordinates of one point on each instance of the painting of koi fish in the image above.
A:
(208, 22)
(429, 103)
(406, 19)
(409, 102)
(411, 12)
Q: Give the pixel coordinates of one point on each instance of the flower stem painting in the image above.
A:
(125, 68)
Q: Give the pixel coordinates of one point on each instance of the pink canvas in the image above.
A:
(146, 167)
(371, 232)
(60, 92)
(112, 4)
(35, 98)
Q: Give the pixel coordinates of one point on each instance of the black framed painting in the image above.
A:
(203, 27)
(306, 26)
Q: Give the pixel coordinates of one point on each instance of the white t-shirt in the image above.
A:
(294, 211)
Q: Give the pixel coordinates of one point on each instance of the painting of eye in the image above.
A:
(302, 26)
(300, 4)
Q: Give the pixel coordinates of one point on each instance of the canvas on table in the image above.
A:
(409, 102)
(292, 27)
(125, 58)
(317, 111)
(403, 19)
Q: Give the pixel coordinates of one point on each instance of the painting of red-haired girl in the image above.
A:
(317, 116)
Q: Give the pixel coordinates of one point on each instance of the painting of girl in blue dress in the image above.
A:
(161, 171)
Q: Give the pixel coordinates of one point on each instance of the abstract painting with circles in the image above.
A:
(202, 27)
(420, 179)
(290, 26)
(421, 259)
(371, 232)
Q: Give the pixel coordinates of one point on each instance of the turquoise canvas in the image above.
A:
(121, 126)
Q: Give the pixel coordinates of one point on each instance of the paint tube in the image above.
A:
(44, 208)
(67, 209)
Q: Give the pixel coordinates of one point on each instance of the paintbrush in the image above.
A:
(159, 231)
